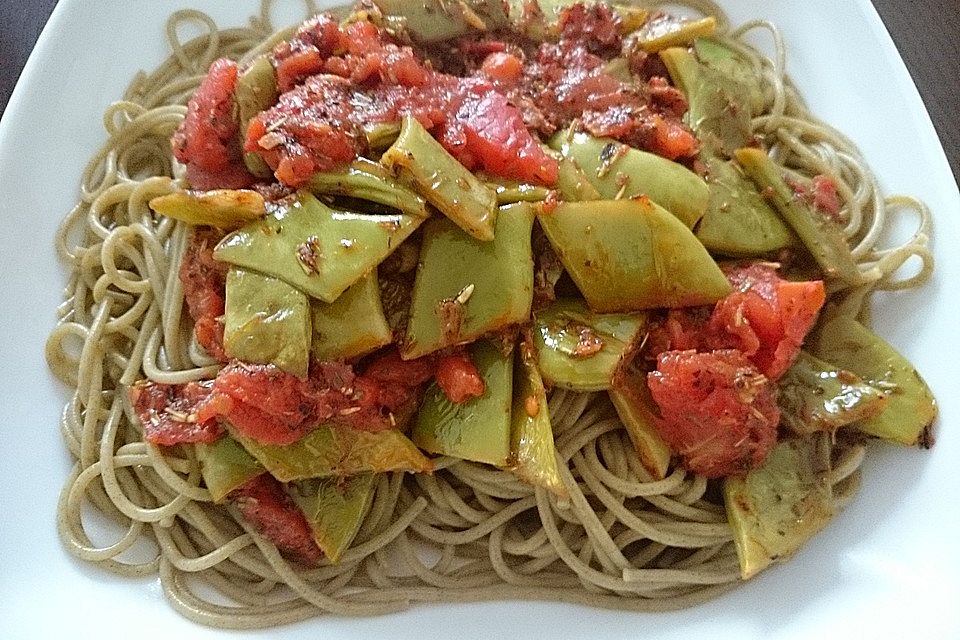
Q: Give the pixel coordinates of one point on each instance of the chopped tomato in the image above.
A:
(825, 196)
(502, 67)
(458, 377)
(274, 407)
(766, 318)
(596, 25)
(719, 412)
(391, 368)
(498, 138)
(206, 139)
(264, 504)
(168, 412)
(673, 139)
(204, 284)
(304, 53)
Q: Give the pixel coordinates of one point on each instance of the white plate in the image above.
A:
(888, 567)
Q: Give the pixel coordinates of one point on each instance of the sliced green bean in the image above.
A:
(421, 161)
(225, 466)
(340, 452)
(511, 191)
(910, 409)
(739, 222)
(367, 180)
(266, 321)
(822, 237)
(222, 208)
(775, 509)
(619, 171)
(438, 20)
(478, 429)
(532, 449)
(316, 249)
(465, 287)
(351, 326)
(256, 91)
(817, 396)
(732, 64)
(657, 35)
(579, 349)
(334, 509)
(636, 408)
(629, 255)
(718, 112)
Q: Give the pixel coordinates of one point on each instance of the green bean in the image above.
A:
(739, 222)
(367, 180)
(578, 349)
(734, 66)
(629, 255)
(438, 20)
(822, 237)
(315, 248)
(776, 508)
(225, 466)
(335, 509)
(465, 287)
(351, 326)
(478, 429)
(333, 451)
(619, 171)
(511, 191)
(636, 408)
(657, 35)
(266, 321)
(221, 208)
(910, 409)
(717, 110)
(256, 91)
(532, 450)
(817, 396)
(419, 160)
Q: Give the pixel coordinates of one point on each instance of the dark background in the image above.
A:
(927, 32)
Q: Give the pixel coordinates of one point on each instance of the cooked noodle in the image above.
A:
(466, 533)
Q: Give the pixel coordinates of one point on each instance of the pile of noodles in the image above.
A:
(467, 532)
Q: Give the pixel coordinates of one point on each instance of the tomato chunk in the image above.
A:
(264, 504)
(206, 139)
(168, 412)
(458, 378)
(766, 318)
(719, 412)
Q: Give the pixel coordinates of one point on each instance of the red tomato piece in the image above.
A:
(168, 412)
(206, 139)
(458, 378)
(391, 368)
(825, 196)
(719, 412)
(766, 318)
(502, 67)
(498, 138)
(264, 504)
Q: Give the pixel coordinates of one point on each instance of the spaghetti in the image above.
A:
(466, 533)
